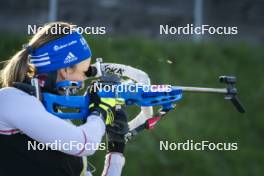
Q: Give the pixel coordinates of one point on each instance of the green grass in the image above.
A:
(198, 117)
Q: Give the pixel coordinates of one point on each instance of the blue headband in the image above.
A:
(60, 53)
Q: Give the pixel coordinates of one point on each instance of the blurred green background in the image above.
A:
(198, 116)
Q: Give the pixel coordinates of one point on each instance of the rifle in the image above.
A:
(122, 76)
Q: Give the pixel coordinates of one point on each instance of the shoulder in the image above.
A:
(15, 104)
(9, 103)
(14, 98)
(11, 92)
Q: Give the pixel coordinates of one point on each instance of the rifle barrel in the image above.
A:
(203, 89)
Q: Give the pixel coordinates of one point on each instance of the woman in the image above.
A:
(23, 119)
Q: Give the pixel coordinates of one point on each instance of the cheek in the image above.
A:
(78, 76)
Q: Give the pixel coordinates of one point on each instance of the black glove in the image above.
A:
(116, 132)
(105, 106)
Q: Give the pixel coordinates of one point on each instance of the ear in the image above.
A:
(62, 74)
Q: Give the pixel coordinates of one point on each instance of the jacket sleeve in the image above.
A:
(28, 115)
(114, 163)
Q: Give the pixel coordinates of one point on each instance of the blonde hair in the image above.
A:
(18, 68)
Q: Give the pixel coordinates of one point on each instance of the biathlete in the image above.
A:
(52, 58)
